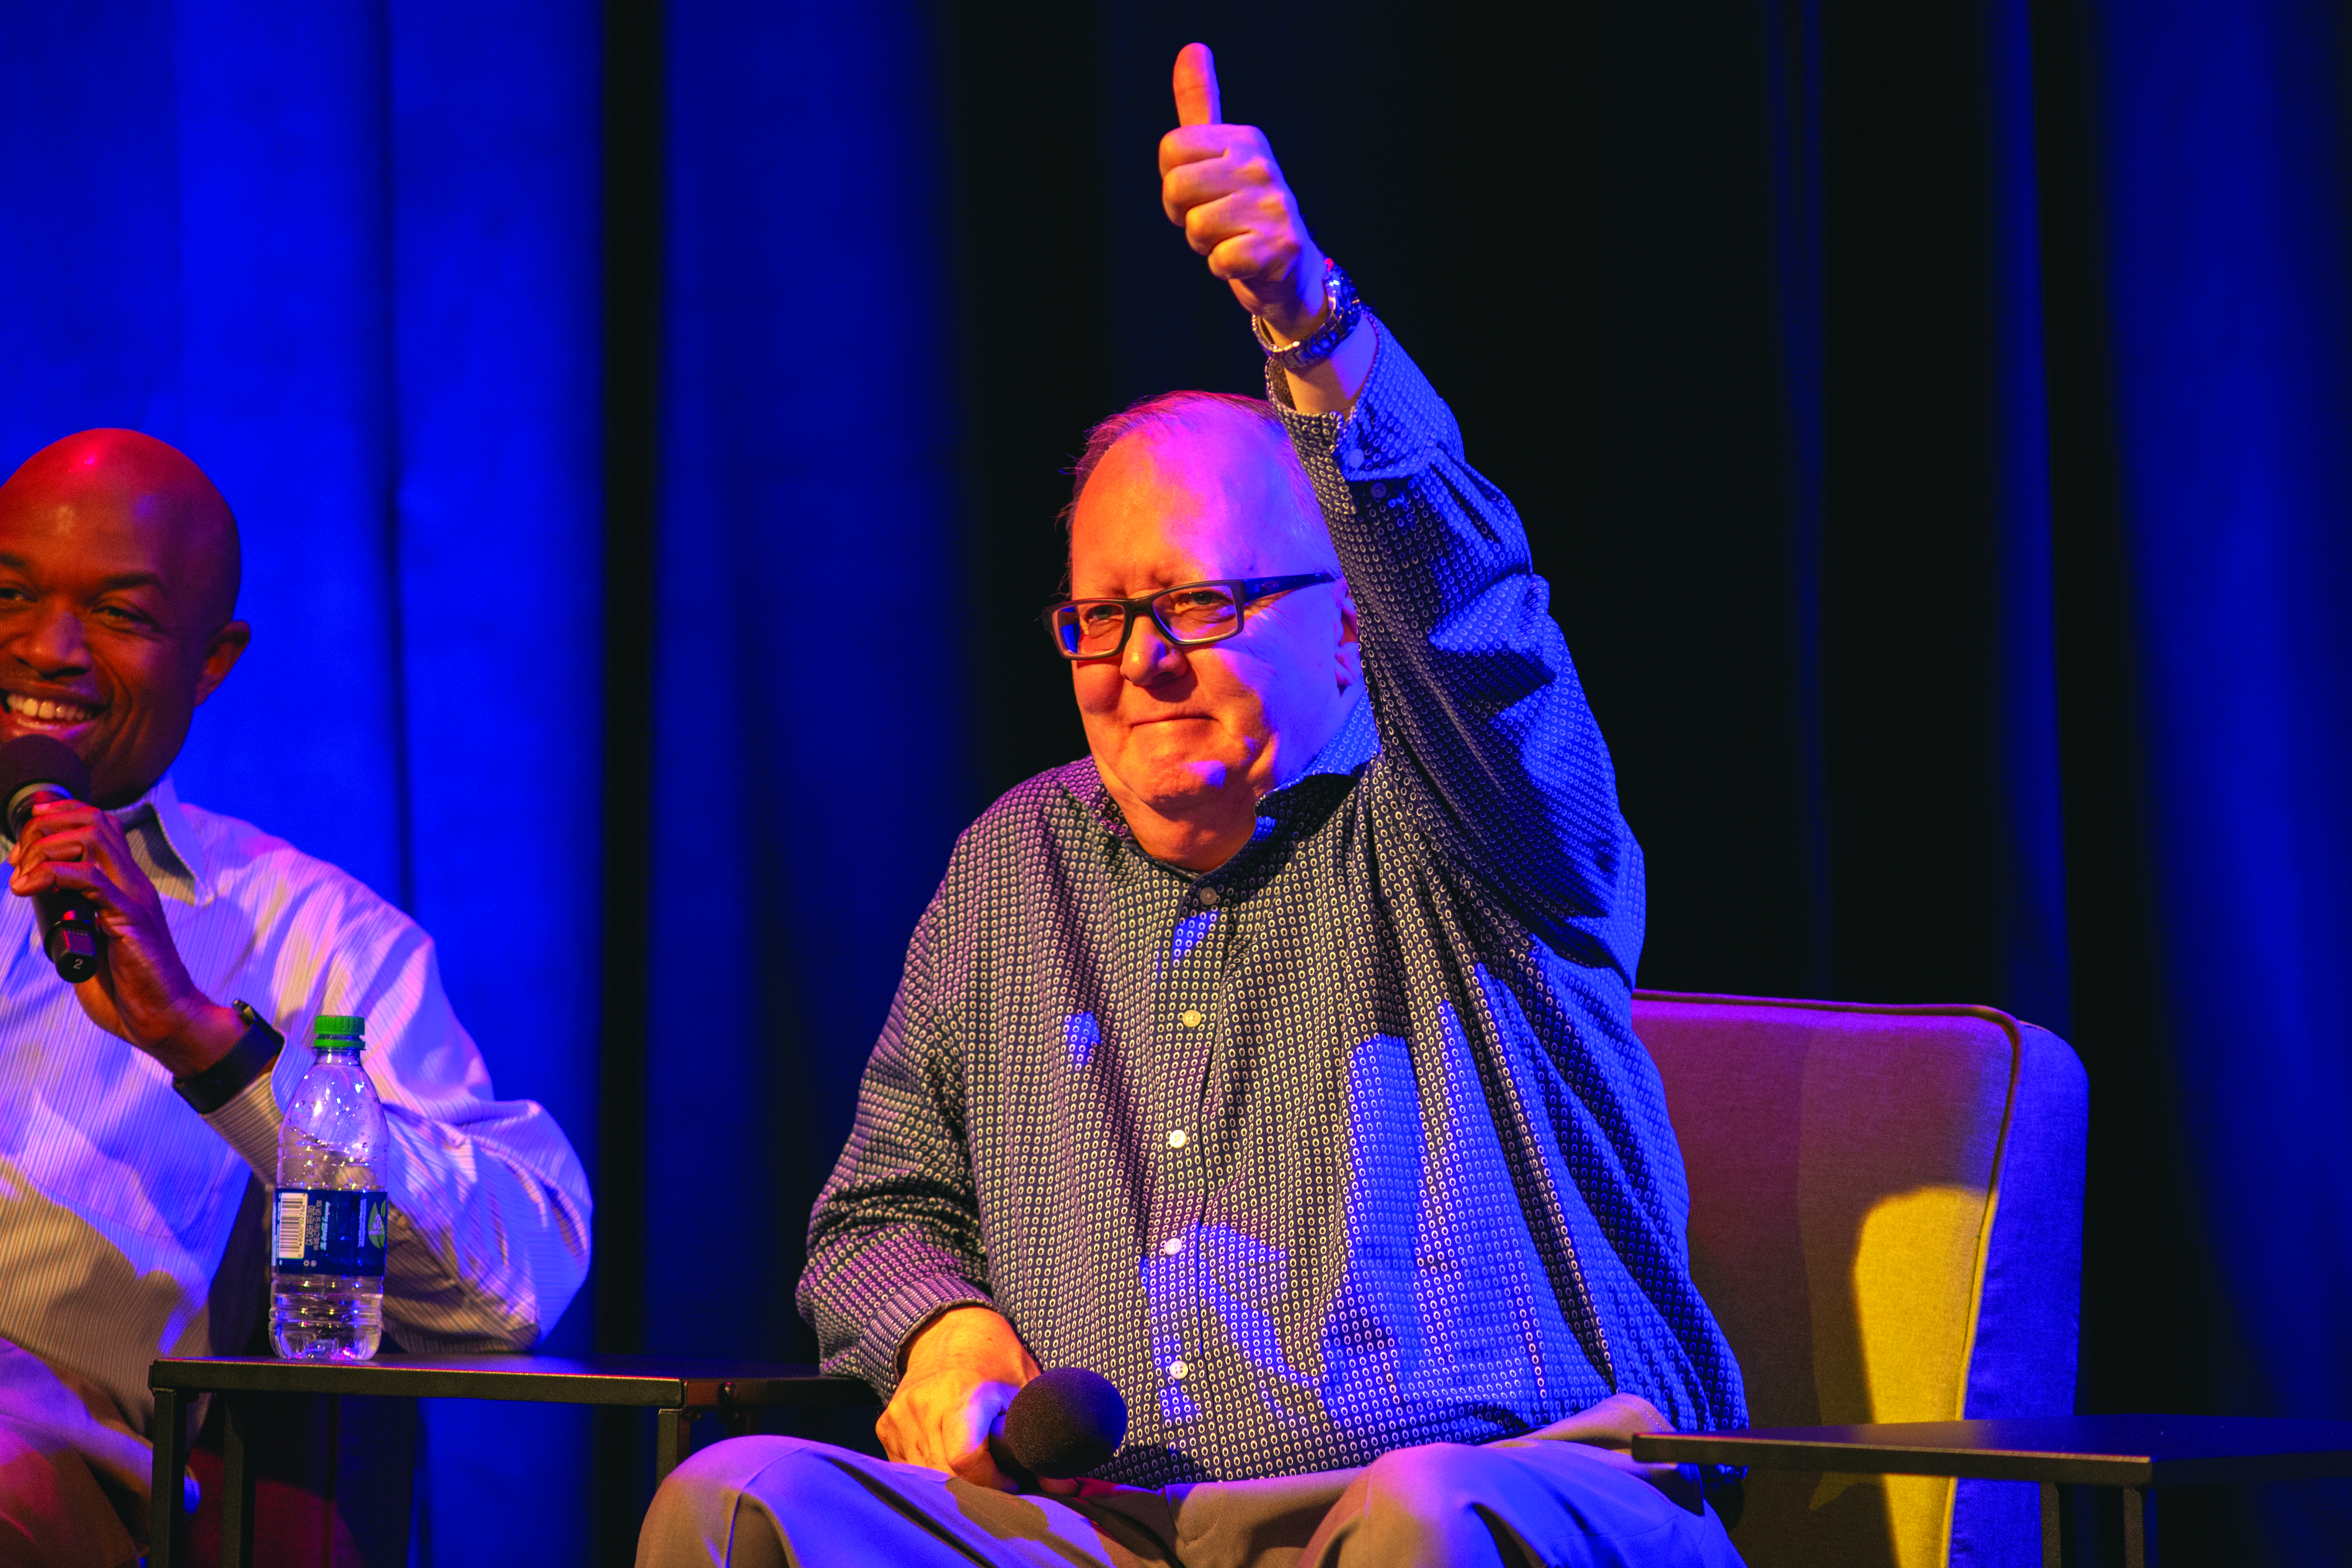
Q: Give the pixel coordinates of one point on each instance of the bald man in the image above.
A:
(1276, 1060)
(140, 1109)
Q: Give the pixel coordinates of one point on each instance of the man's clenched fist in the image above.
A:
(1221, 185)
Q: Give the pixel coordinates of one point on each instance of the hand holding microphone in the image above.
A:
(965, 1405)
(36, 771)
(101, 920)
(1060, 1426)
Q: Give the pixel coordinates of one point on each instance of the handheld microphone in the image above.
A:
(33, 769)
(1062, 1425)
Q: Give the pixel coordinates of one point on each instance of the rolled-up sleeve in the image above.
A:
(490, 1207)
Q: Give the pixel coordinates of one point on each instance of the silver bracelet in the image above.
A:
(1341, 311)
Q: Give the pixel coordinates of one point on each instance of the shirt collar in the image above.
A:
(163, 842)
(1355, 742)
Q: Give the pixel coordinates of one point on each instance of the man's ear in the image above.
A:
(228, 646)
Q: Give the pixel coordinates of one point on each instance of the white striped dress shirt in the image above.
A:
(131, 1226)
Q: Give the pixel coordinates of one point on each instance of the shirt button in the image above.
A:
(1177, 1369)
(1192, 1019)
(1208, 897)
(1176, 1138)
(1172, 1245)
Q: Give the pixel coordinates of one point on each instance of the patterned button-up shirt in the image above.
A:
(1348, 1144)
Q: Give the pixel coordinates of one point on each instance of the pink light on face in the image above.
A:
(1188, 738)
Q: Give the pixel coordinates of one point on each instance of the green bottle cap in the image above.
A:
(341, 1024)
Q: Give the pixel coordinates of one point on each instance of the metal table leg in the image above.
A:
(2060, 1543)
(236, 1481)
(2139, 1527)
(673, 1441)
(167, 1520)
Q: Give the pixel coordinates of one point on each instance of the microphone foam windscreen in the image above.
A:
(41, 759)
(1065, 1422)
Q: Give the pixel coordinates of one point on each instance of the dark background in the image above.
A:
(648, 429)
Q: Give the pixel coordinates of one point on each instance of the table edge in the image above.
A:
(641, 1390)
(1891, 1460)
(1992, 1463)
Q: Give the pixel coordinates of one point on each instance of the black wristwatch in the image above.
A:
(252, 1056)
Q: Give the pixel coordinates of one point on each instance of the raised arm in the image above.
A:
(1481, 717)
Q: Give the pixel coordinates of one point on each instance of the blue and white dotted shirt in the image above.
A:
(1344, 1146)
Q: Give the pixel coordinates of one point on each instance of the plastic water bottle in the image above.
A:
(331, 1216)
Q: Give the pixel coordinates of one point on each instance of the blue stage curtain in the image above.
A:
(346, 258)
(2230, 279)
(807, 629)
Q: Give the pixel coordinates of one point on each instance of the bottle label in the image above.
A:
(324, 1230)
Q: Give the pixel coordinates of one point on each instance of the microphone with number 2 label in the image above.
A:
(34, 769)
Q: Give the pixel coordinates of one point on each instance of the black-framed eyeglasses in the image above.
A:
(1190, 615)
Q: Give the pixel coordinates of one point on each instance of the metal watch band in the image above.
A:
(252, 1056)
(1341, 312)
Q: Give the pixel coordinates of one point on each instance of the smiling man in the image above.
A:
(139, 1109)
(1276, 1060)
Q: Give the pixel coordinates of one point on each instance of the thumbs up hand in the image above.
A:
(1221, 185)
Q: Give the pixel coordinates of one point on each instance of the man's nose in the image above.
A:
(1150, 656)
(54, 646)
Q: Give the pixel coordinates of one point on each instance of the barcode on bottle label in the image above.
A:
(333, 1230)
(293, 1224)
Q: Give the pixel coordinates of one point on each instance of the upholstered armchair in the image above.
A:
(1887, 1215)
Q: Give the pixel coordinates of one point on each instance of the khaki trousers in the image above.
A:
(73, 1475)
(53, 1511)
(769, 1502)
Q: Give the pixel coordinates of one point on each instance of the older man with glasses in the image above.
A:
(1276, 1060)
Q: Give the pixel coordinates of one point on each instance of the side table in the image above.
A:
(2135, 1453)
(678, 1391)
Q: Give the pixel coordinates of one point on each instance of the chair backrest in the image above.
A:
(1887, 1215)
